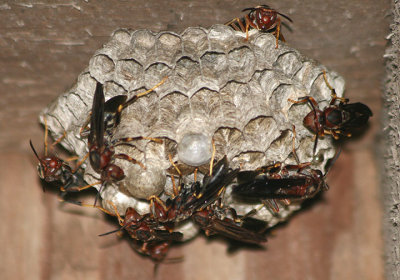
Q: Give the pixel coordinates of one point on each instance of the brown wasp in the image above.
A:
(113, 109)
(202, 203)
(53, 169)
(334, 119)
(156, 250)
(189, 199)
(149, 237)
(280, 182)
(214, 220)
(144, 228)
(101, 151)
(286, 183)
(262, 18)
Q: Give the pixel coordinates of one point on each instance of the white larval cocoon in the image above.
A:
(195, 149)
(229, 90)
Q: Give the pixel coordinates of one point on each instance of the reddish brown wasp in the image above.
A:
(202, 203)
(149, 236)
(113, 109)
(101, 151)
(280, 182)
(262, 18)
(214, 220)
(197, 196)
(53, 169)
(156, 250)
(144, 228)
(334, 119)
(261, 184)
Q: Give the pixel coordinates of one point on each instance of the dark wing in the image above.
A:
(112, 109)
(113, 103)
(212, 185)
(166, 235)
(262, 187)
(96, 135)
(229, 229)
(356, 115)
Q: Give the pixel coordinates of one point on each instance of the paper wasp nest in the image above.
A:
(219, 87)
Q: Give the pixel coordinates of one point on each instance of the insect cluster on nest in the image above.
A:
(202, 129)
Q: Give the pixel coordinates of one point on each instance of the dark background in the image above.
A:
(44, 45)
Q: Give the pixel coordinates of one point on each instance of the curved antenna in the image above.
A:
(285, 16)
(34, 151)
(113, 231)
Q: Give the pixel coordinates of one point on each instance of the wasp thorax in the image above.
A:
(195, 149)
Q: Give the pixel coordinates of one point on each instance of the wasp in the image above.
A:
(335, 119)
(101, 151)
(156, 250)
(214, 220)
(274, 182)
(263, 18)
(287, 182)
(149, 237)
(197, 196)
(202, 203)
(144, 228)
(113, 108)
(53, 169)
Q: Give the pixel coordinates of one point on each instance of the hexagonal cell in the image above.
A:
(169, 48)
(264, 48)
(155, 74)
(195, 42)
(221, 38)
(121, 35)
(215, 68)
(289, 63)
(101, 67)
(187, 73)
(143, 46)
(260, 132)
(241, 64)
(129, 73)
(228, 141)
(171, 106)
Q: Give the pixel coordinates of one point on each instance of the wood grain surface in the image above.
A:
(45, 44)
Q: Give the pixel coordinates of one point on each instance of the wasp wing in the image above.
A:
(96, 135)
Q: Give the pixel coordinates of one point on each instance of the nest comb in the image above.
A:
(219, 87)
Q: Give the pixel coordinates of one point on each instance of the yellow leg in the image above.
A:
(80, 163)
(212, 157)
(174, 165)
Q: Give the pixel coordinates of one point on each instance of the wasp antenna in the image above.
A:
(111, 232)
(34, 151)
(286, 17)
